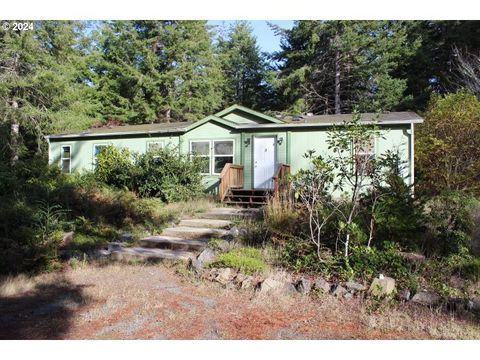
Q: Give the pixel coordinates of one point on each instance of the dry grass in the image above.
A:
(17, 285)
(184, 208)
(154, 302)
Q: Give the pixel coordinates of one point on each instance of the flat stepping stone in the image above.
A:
(173, 243)
(229, 213)
(194, 233)
(140, 253)
(206, 223)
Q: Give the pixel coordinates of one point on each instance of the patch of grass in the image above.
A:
(83, 242)
(248, 260)
(12, 285)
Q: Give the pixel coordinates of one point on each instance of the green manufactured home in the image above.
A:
(245, 149)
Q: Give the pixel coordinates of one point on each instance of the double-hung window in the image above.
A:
(66, 159)
(364, 155)
(222, 154)
(202, 150)
(216, 154)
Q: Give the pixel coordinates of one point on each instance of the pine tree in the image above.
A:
(42, 84)
(335, 66)
(244, 67)
(150, 71)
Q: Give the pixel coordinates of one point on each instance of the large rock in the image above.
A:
(426, 298)
(412, 257)
(126, 237)
(206, 256)
(67, 238)
(322, 285)
(474, 304)
(354, 286)
(248, 283)
(339, 291)
(274, 285)
(404, 295)
(304, 286)
(382, 286)
(225, 275)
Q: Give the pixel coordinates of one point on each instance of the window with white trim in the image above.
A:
(202, 150)
(364, 154)
(216, 153)
(222, 154)
(66, 159)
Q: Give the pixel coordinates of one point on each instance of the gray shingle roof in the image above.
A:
(405, 116)
(130, 129)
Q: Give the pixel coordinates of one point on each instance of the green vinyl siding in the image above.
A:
(82, 151)
(292, 143)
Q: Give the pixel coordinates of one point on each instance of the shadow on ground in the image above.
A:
(46, 312)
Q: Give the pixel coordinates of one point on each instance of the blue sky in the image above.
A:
(266, 39)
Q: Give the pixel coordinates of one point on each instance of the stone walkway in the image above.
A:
(185, 240)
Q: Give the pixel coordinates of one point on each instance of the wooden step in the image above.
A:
(248, 196)
(194, 233)
(205, 222)
(172, 243)
(250, 192)
(145, 254)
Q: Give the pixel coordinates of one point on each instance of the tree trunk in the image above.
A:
(14, 134)
(168, 115)
(337, 83)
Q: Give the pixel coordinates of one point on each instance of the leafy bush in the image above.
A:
(470, 268)
(162, 173)
(366, 263)
(248, 260)
(168, 175)
(114, 167)
(449, 223)
(299, 254)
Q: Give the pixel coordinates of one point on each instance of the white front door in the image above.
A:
(263, 162)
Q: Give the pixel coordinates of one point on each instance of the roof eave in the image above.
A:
(330, 124)
(248, 111)
(93, 135)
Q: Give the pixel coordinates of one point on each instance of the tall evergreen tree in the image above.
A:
(334, 66)
(43, 86)
(157, 71)
(431, 68)
(244, 67)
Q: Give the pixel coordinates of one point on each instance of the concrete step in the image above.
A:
(173, 243)
(194, 233)
(231, 213)
(206, 223)
(144, 254)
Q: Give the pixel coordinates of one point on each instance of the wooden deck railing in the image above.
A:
(280, 179)
(231, 177)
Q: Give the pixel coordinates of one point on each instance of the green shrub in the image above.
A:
(114, 167)
(449, 223)
(366, 263)
(469, 268)
(299, 254)
(248, 260)
(166, 174)
(83, 242)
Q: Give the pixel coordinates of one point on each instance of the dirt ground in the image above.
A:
(157, 302)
